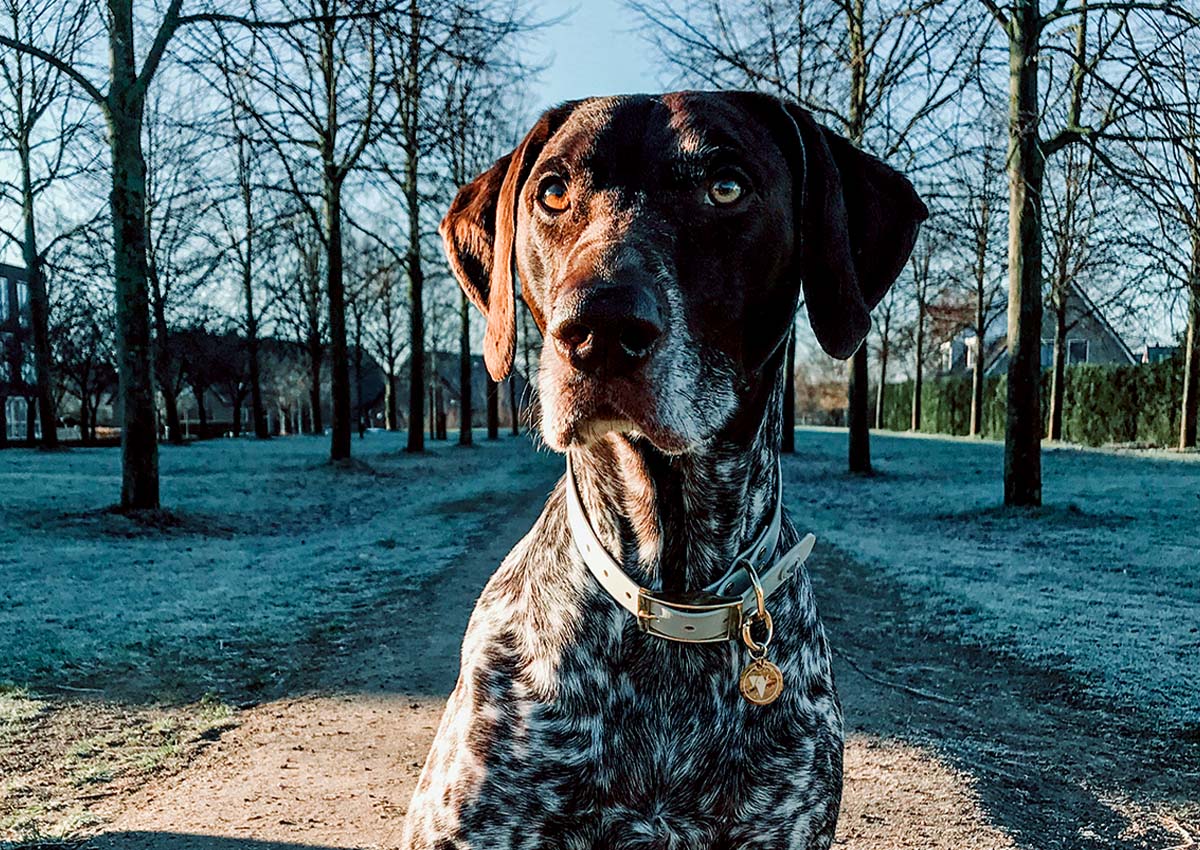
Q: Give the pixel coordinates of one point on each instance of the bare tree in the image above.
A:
(1165, 170)
(1089, 100)
(122, 101)
(1082, 247)
(178, 256)
(239, 214)
(318, 101)
(35, 95)
(920, 263)
(886, 315)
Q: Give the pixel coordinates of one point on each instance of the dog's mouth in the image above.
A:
(583, 410)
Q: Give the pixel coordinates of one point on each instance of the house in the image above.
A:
(1156, 353)
(1090, 339)
(18, 377)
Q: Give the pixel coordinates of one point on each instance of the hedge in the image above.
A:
(1101, 404)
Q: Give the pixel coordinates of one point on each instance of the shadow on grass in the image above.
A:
(1049, 757)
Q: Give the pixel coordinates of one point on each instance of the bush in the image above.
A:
(1101, 404)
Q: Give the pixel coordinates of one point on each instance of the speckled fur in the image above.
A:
(569, 727)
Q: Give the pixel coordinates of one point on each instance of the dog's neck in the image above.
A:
(677, 522)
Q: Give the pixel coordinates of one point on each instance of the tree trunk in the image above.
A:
(257, 409)
(512, 405)
(1058, 377)
(416, 276)
(162, 355)
(139, 437)
(493, 409)
(918, 365)
(201, 412)
(788, 443)
(39, 305)
(858, 396)
(860, 433)
(316, 354)
(879, 391)
(339, 356)
(464, 372)
(977, 370)
(1191, 357)
(31, 418)
(1023, 427)
(389, 400)
(432, 409)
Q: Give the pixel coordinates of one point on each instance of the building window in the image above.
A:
(22, 296)
(1077, 351)
(17, 411)
(28, 371)
(1047, 353)
(972, 343)
(3, 299)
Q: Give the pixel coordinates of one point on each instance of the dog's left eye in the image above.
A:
(725, 190)
(552, 195)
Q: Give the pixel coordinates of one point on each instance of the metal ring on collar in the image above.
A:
(748, 638)
(760, 597)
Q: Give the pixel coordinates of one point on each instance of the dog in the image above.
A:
(636, 675)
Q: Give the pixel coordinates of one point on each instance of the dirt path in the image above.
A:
(949, 746)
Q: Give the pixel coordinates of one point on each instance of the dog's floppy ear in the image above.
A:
(479, 234)
(857, 220)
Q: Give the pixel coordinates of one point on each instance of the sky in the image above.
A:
(594, 51)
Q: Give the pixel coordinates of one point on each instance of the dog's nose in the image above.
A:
(606, 329)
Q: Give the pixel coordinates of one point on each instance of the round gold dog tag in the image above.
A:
(761, 682)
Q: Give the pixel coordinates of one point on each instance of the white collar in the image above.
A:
(717, 614)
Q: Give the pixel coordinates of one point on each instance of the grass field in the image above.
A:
(129, 647)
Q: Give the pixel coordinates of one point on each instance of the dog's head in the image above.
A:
(661, 245)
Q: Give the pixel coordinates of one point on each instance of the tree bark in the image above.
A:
(139, 438)
(464, 372)
(788, 443)
(162, 356)
(339, 357)
(389, 401)
(257, 409)
(977, 370)
(316, 354)
(879, 391)
(1026, 166)
(512, 405)
(493, 409)
(918, 364)
(1058, 377)
(39, 303)
(1190, 407)
(860, 433)
(416, 277)
(858, 397)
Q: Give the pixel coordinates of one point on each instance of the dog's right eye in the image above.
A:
(552, 195)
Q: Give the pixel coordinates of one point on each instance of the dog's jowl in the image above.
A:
(647, 669)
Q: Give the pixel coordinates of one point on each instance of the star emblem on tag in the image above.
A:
(761, 683)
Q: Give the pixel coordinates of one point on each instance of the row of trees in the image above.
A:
(279, 169)
(282, 165)
(1089, 108)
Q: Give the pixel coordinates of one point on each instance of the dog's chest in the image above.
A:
(619, 739)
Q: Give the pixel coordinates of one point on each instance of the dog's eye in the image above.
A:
(725, 190)
(552, 195)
